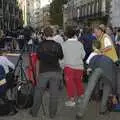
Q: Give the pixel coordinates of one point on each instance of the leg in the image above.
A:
(79, 82)
(106, 93)
(69, 76)
(94, 78)
(38, 93)
(54, 93)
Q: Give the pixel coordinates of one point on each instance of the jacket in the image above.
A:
(74, 54)
(49, 53)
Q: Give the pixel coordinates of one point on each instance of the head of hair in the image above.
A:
(70, 32)
(48, 31)
(96, 44)
(101, 27)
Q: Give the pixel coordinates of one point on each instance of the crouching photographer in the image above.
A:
(7, 82)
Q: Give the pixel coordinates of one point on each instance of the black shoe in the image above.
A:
(14, 112)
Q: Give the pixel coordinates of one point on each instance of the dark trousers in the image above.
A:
(54, 79)
(97, 76)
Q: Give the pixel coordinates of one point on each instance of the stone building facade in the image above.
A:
(10, 15)
(87, 12)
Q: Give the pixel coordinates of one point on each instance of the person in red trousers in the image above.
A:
(74, 54)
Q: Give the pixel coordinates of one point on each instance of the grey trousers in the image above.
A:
(95, 77)
(54, 79)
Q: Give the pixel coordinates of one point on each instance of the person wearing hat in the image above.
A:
(107, 46)
(101, 71)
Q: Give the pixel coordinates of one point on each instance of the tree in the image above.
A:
(56, 12)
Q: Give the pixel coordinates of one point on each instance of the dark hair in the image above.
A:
(48, 31)
(57, 31)
(96, 43)
(118, 30)
(70, 32)
(110, 27)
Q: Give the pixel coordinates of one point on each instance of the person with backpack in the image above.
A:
(49, 74)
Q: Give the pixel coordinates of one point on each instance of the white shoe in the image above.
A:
(70, 103)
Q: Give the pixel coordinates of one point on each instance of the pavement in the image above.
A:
(64, 113)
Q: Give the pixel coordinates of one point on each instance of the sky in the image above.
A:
(44, 2)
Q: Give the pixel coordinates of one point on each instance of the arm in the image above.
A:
(107, 45)
(9, 63)
(89, 70)
(37, 69)
(60, 52)
(90, 57)
(83, 51)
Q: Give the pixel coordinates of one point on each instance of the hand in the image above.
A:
(89, 70)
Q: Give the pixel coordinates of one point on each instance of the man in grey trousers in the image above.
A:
(103, 70)
(49, 76)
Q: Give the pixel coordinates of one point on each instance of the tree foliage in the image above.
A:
(56, 13)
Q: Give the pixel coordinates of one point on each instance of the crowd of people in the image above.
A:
(74, 55)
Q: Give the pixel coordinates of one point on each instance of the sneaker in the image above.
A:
(70, 103)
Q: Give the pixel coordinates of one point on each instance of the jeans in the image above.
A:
(96, 76)
(53, 79)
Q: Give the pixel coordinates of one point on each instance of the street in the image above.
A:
(64, 113)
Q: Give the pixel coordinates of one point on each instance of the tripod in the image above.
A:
(24, 84)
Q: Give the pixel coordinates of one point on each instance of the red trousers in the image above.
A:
(74, 82)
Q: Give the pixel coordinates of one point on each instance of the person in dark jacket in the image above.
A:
(49, 72)
(103, 69)
(87, 39)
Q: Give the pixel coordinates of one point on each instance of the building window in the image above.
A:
(1, 3)
(82, 11)
(88, 8)
(85, 10)
(100, 6)
(11, 8)
(93, 8)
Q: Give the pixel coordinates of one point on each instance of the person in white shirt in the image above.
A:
(6, 63)
(96, 50)
(58, 38)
